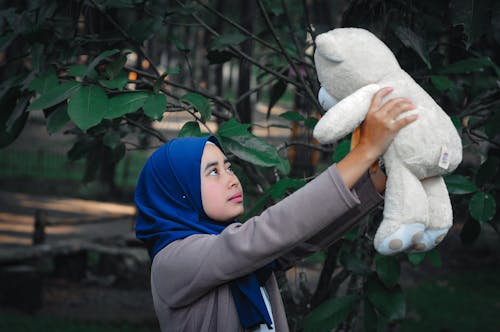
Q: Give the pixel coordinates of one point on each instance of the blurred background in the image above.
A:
(155, 70)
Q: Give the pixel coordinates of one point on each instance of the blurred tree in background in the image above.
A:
(110, 69)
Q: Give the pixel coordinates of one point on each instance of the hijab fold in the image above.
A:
(169, 207)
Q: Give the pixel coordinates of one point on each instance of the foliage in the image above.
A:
(74, 61)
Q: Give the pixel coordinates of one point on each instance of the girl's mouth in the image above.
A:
(238, 198)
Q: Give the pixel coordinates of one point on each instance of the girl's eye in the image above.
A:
(229, 169)
(213, 172)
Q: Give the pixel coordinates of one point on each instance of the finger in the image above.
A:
(399, 109)
(378, 96)
(401, 123)
(394, 104)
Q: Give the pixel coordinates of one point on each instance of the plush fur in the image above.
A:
(352, 64)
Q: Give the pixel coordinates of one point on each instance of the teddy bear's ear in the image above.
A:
(325, 47)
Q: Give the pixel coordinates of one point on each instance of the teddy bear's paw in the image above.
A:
(432, 237)
(403, 238)
(429, 239)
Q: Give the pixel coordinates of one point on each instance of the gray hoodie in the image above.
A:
(190, 276)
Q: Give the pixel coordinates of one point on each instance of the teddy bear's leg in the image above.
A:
(405, 211)
(440, 213)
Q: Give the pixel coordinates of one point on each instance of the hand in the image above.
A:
(380, 125)
(377, 132)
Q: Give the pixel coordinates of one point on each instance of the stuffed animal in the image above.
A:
(352, 64)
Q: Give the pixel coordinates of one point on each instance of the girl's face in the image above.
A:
(221, 192)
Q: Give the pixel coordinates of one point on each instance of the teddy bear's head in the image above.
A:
(349, 58)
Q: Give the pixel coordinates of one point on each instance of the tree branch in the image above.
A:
(216, 99)
(126, 35)
(242, 54)
(248, 33)
(286, 145)
(285, 53)
(146, 129)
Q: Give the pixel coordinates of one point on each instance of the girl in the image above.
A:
(211, 273)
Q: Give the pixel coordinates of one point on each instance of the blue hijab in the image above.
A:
(169, 207)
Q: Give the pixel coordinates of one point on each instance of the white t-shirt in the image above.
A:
(263, 327)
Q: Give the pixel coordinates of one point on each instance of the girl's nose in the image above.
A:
(232, 180)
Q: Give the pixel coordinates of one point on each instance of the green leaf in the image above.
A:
(277, 91)
(44, 82)
(80, 149)
(190, 128)
(342, 150)
(199, 103)
(115, 67)
(435, 258)
(330, 314)
(292, 116)
(416, 258)
(55, 96)
(280, 188)
(482, 207)
(487, 171)
(387, 268)
(161, 80)
(179, 44)
(125, 103)
(442, 83)
(410, 39)
(57, 119)
(12, 118)
(273, 7)
(255, 150)
(87, 106)
(37, 55)
(227, 39)
(155, 106)
(98, 59)
(77, 70)
(470, 65)
(118, 82)
(459, 184)
(233, 128)
(310, 123)
(317, 257)
(389, 301)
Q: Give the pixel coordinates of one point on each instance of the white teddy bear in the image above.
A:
(352, 64)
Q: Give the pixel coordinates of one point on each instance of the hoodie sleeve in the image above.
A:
(188, 268)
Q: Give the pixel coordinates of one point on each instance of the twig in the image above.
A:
(216, 99)
(242, 54)
(487, 139)
(146, 129)
(126, 35)
(257, 88)
(285, 145)
(248, 33)
(285, 53)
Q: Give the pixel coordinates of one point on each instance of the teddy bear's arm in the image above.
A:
(345, 116)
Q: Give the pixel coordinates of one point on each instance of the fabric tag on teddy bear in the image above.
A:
(444, 159)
